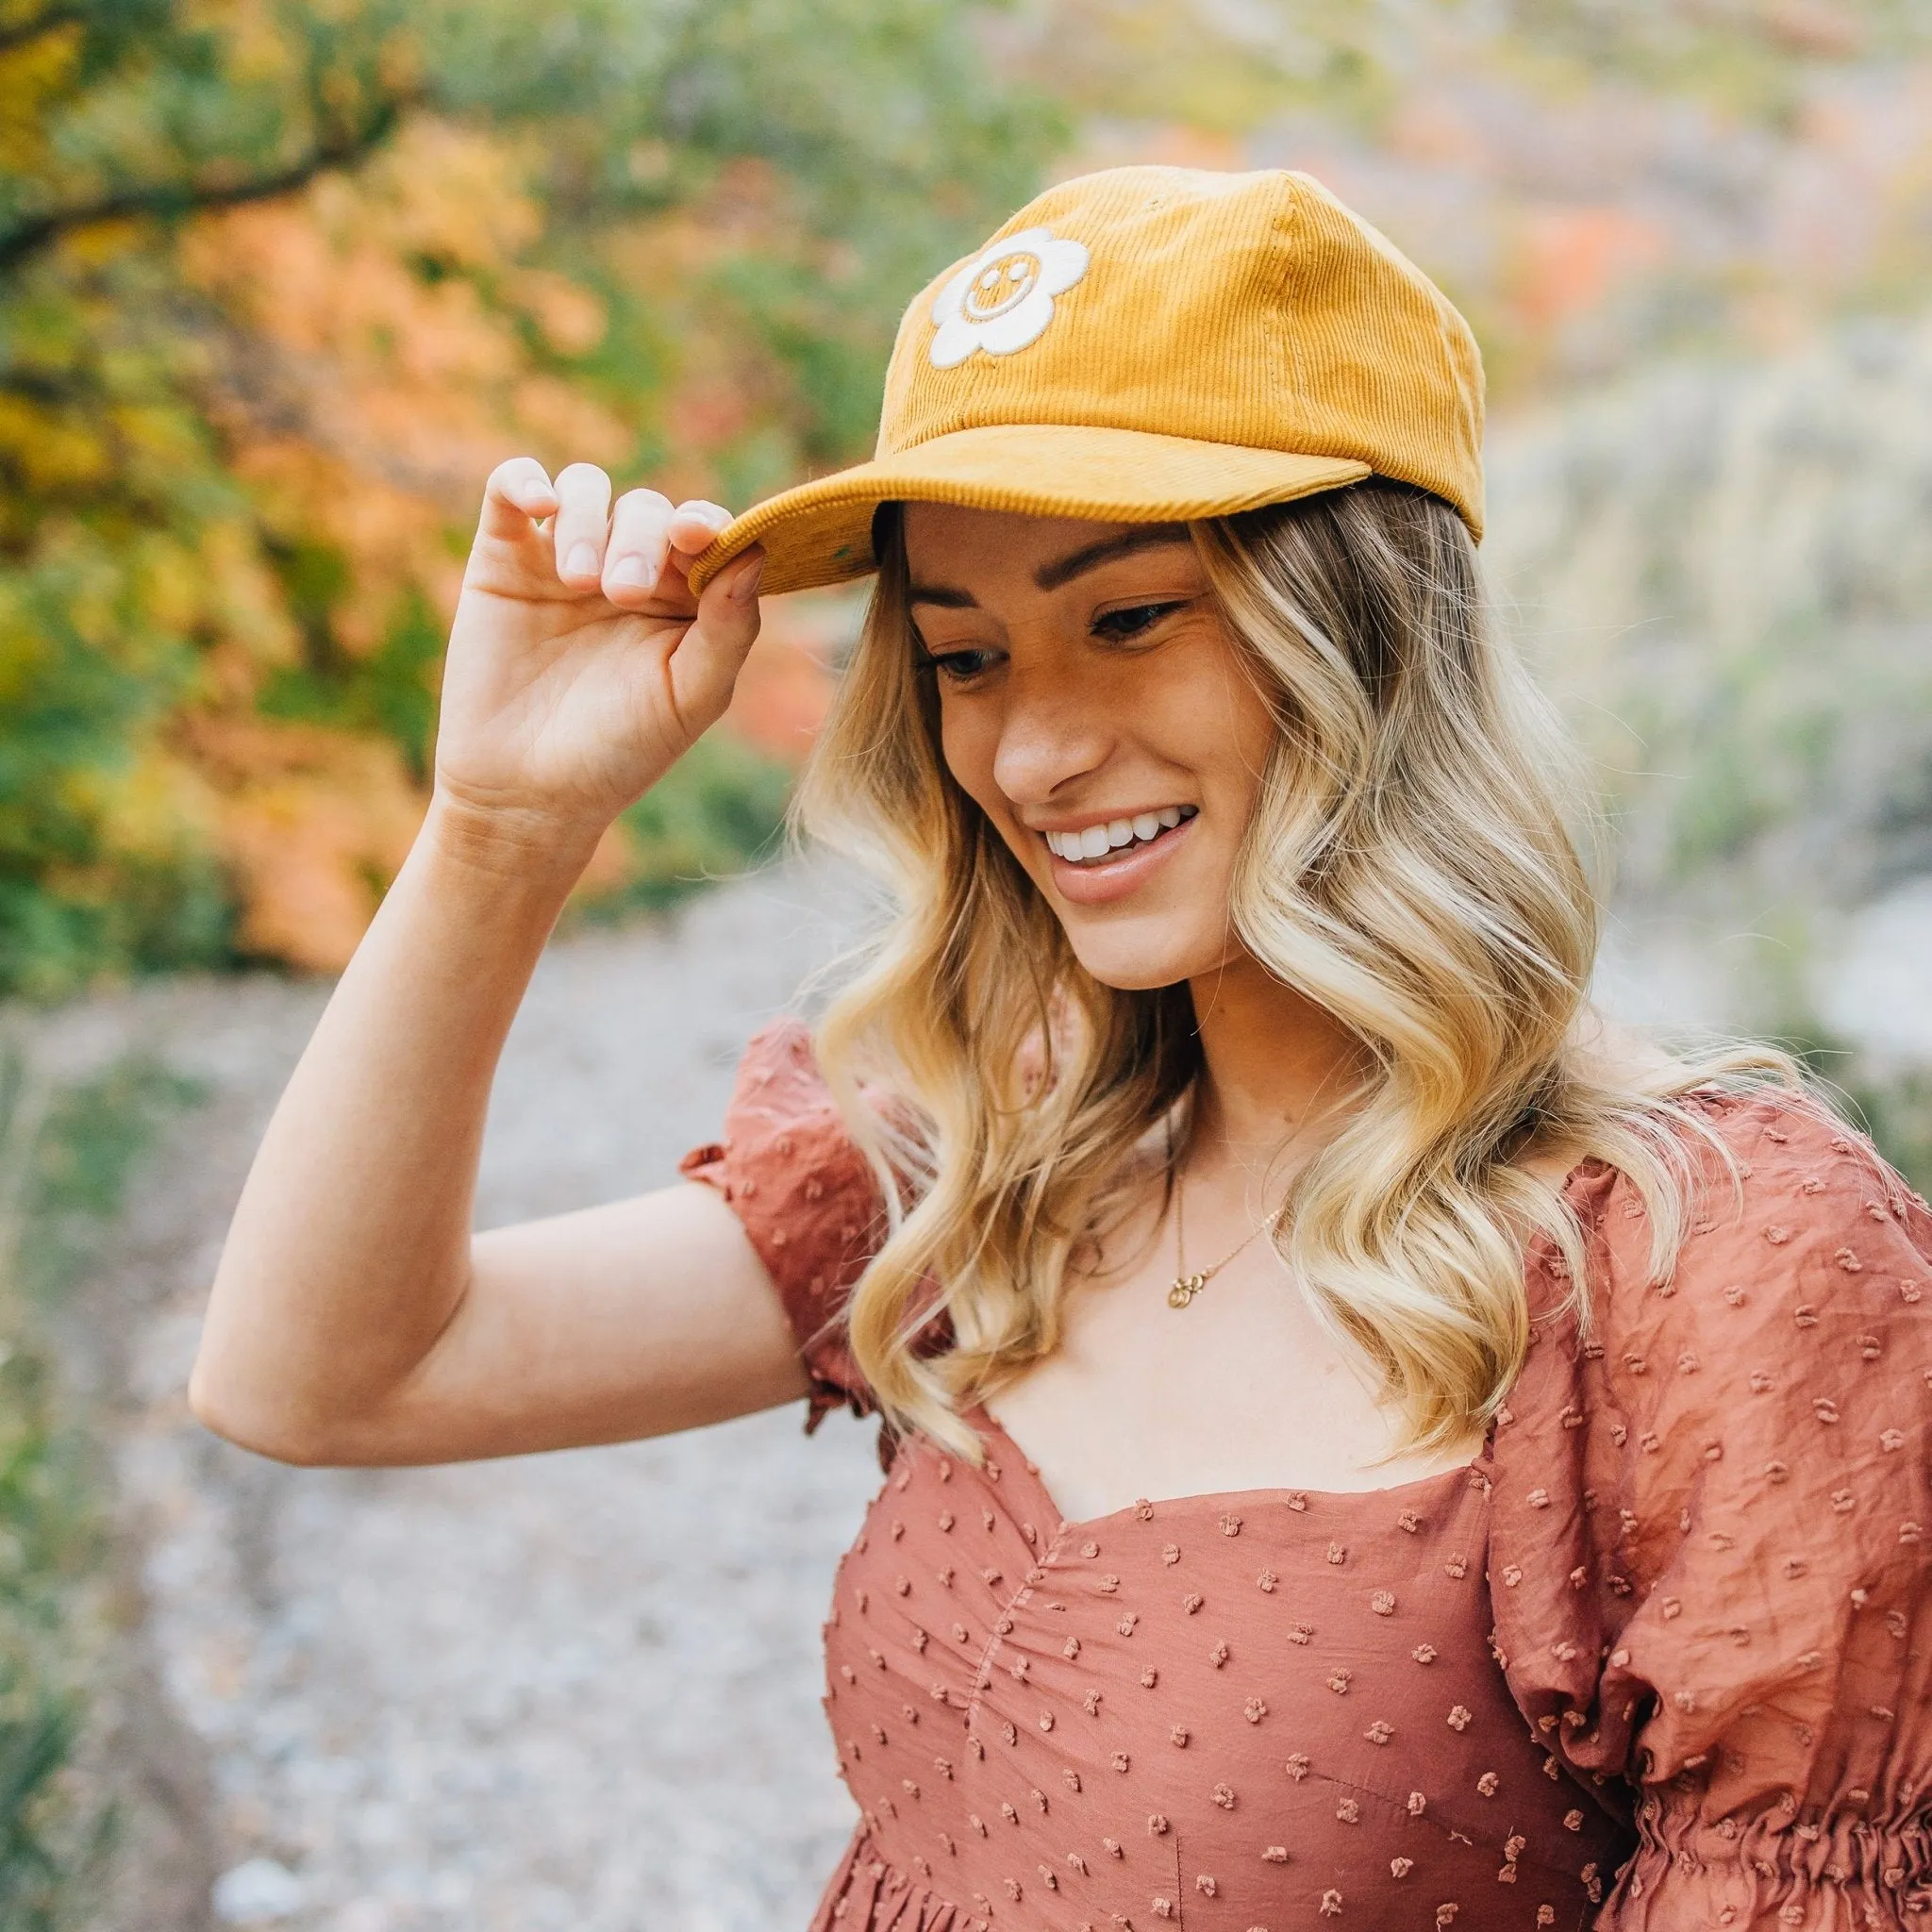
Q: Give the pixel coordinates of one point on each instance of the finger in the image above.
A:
(706, 664)
(695, 525)
(517, 492)
(583, 519)
(634, 560)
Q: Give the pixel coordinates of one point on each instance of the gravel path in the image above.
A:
(568, 1692)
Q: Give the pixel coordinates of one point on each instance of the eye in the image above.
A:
(958, 667)
(1136, 620)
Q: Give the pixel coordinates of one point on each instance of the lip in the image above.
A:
(1102, 817)
(1114, 879)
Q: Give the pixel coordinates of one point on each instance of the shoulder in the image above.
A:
(778, 1084)
(1784, 1333)
(1779, 1360)
(1794, 1226)
(804, 1193)
(783, 1133)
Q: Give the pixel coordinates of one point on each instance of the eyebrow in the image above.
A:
(1062, 571)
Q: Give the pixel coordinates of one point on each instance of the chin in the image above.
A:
(1140, 962)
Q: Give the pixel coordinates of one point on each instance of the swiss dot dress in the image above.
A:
(1658, 1661)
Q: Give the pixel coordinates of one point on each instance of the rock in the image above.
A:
(256, 1894)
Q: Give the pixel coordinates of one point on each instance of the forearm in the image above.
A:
(350, 1248)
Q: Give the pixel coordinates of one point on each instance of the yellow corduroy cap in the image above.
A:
(1149, 345)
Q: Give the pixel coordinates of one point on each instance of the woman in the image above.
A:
(1532, 1420)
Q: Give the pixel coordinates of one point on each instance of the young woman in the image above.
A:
(1474, 1464)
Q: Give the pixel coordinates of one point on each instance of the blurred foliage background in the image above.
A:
(279, 280)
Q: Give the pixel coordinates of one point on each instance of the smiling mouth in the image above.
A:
(1096, 843)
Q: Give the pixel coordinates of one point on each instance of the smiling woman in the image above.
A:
(1118, 627)
(1531, 1399)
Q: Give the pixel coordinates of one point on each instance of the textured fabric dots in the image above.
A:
(1062, 1750)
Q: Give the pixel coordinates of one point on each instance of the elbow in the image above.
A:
(241, 1415)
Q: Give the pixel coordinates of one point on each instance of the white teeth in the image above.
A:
(1098, 841)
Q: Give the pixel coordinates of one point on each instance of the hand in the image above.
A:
(580, 665)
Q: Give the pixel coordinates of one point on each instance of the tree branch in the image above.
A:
(169, 199)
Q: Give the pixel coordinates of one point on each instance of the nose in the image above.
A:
(1053, 730)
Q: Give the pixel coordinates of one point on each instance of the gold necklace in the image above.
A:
(1185, 1287)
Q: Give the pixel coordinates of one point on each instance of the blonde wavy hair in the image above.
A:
(1409, 867)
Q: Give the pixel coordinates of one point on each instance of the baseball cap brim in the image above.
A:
(821, 532)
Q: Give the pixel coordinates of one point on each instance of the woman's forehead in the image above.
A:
(950, 544)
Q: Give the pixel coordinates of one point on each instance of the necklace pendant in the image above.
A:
(1185, 1289)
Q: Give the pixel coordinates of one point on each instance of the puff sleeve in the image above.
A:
(1717, 1518)
(807, 1198)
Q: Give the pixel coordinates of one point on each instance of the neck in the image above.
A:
(1275, 1068)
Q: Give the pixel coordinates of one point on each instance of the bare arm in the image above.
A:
(354, 1319)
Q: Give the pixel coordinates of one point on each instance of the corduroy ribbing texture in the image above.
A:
(1213, 342)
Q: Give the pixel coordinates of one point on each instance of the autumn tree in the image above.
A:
(278, 282)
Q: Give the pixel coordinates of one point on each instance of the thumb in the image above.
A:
(704, 666)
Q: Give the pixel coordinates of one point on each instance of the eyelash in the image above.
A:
(952, 665)
(1150, 615)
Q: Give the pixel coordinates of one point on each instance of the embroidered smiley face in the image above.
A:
(1005, 285)
(1003, 299)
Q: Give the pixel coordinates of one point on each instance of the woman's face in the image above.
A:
(1093, 705)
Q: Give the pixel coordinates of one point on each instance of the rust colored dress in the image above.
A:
(1658, 1661)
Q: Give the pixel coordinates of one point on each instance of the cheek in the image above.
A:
(968, 741)
(1253, 737)
(1223, 729)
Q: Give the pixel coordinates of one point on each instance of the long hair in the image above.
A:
(1409, 866)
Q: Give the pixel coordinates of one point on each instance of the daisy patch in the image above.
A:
(1003, 300)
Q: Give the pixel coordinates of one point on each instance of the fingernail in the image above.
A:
(745, 587)
(582, 561)
(629, 571)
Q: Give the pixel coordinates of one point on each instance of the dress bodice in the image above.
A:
(1258, 1710)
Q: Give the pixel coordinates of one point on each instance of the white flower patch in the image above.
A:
(1004, 300)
